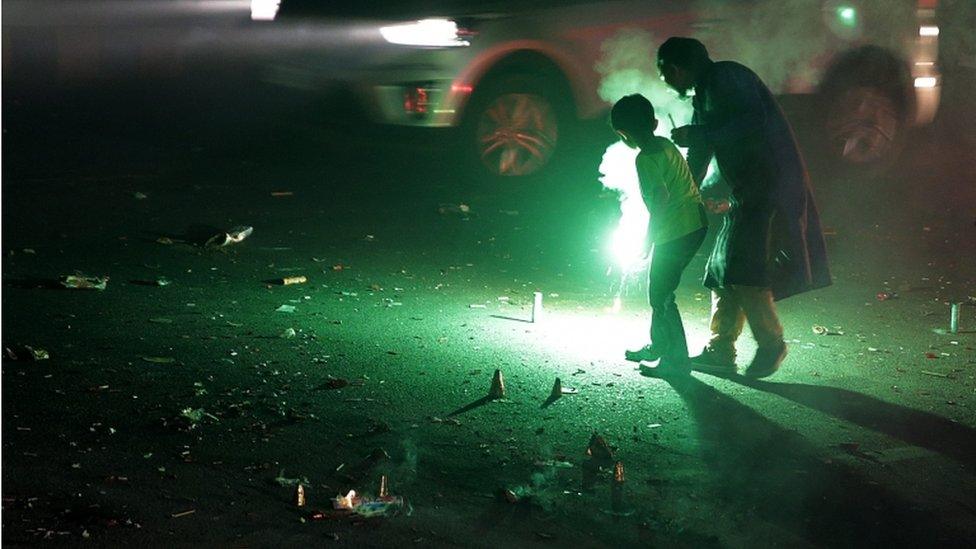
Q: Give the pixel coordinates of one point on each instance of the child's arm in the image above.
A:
(650, 174)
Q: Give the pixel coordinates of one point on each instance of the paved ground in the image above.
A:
(865, 438)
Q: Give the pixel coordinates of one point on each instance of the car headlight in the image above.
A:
(434, 33)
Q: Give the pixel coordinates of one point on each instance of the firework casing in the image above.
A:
(598, 449)
(557, 389)
(289, 280)
(299, 496)
(537, 307)
(383, 490)
(497, 389)
(954, 318)
(617, 487)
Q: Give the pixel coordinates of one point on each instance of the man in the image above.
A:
(770, 245)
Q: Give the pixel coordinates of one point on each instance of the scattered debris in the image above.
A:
(823, 330)
(333, 383)
(448, 421)
(289, 333)
(290, 280)
(161, 281)
(234, 235)
(885, 296)
(554, 463)
(196, 415)
(282, 193)
(283, 481)
(181, 514)
(299, 496)
(26, 353)
(159, 359)
(461, 210)
(80, 282)
(936, 374)
(285, 309)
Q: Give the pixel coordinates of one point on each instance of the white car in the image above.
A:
(515, 79)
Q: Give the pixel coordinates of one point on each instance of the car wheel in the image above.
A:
(516, 126)
(866, 105)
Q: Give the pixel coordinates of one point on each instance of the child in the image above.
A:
(676, 229)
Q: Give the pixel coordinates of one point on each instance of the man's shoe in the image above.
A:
(713, 362)
(646, 353)
(666, 368)
(766, 361)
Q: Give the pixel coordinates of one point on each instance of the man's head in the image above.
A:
(681, 61)
(633, 119)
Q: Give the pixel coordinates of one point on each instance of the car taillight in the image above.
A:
(416, 100)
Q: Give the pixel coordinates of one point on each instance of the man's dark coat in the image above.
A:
(771, 236)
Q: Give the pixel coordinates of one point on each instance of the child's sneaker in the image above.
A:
(714, 362)
(646, 353)
(666, 368)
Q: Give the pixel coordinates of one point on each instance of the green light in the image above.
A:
(848, 15)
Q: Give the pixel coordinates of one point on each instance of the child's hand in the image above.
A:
(717, 206)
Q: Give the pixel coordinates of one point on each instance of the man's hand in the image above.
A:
(717, 206)
(685, 135)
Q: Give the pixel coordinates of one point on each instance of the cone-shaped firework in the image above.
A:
(497, 386)
(299, 496)
(557, 390)
(383, 489)
(599, 449)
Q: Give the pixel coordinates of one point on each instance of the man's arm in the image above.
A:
(737, 102)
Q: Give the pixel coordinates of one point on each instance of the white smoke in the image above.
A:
(618, 173)
(627, 66)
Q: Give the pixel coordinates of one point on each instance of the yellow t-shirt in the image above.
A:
(660, 164)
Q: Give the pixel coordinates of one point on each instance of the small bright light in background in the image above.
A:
(425, 33)
(926, 82)
(264, 10)
(928, 30)
(847, 15)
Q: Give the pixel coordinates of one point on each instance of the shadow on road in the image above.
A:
(773, 476)
(914, 427)
(467, 408)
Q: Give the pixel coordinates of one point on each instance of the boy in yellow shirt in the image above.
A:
(676, 230)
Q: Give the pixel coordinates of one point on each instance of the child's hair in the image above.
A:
(632, 114)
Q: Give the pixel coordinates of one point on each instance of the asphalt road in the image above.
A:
(864, 438)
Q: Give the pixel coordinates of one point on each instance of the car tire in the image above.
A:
(866, 104)
(517, 126)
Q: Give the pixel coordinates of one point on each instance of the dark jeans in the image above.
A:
(668, 261)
